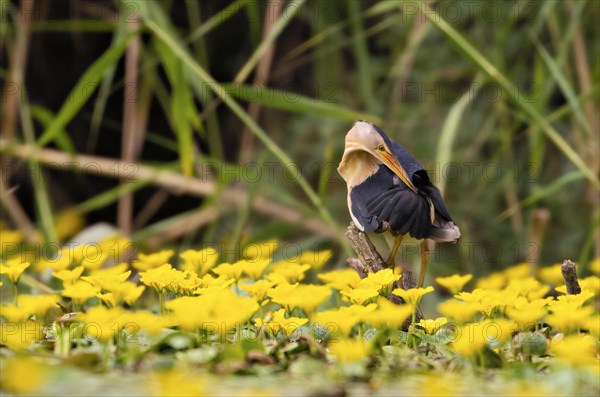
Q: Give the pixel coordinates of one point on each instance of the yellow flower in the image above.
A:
(287, 272)
(102, 323)
(551, 274)
(527, 287)
(287, 325)
(199, 261)
(10, 237)
(106, 280)
(29, 305)
(388, 314)
(107, 272)
(499, 329)
(19, 336)
(69, 277)
(382, 280)
(144, 320)
(493, 282)
(576, 350)
(526, 314)
(161, 278)
(361, 296)
(217, 312)
(23, 375)
(67, 223)
(342, 320)
(572, 300)
(93, 263)
(90, 256)
(458, 311)
(229, 270)
(518, 271)
(315, 259)
(306, 297)
(80, 292)
(431, 326)
(454, 283)
(594, 266)
(568, 318)
(468, 339)
(263, 250)
(412, 296)
(592, 324)
(591, 283)
(127, 292)
(117, 248)
(254, 268)
(222, 282)
(350, 350)
(60, 262)
(13, 269)
(340, 279)
(486, 301)
(13, 313)
(175, 383)
(151, 261)
(258, 290)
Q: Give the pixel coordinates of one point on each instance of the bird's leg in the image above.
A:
(424, 259)
(390, 261)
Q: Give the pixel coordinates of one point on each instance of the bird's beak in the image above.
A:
(390, 161)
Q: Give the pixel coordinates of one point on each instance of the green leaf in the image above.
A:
(45, 117)
(512, 92)
(294, 102)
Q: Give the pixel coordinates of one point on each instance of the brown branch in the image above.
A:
(131, 121)
(370, 261)
(10, 114)
(274, 9)
(569, 273)
(174, 182)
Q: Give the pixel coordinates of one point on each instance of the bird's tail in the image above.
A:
(444, 231)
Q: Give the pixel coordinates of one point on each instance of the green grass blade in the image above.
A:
(104, 92)
(293, 102)
(542, 193)
(450, 128)
(80, 94)
(564, 86)
(45, 117)
(365, 81)
(246, 119)
(292, 8)
(515, 94)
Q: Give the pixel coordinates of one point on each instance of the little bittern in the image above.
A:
(388, 189)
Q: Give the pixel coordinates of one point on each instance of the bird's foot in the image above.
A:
(383, 227)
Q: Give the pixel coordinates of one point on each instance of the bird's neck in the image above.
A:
(356, 166)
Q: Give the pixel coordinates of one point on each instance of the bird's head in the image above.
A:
(366, 142)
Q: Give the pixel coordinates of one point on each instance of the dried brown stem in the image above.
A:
(569, 273)
(370, 261)
(174, 182)
(262, 74)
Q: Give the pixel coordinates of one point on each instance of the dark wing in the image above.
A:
(383, 197)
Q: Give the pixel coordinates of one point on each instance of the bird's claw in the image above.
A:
(384, 226)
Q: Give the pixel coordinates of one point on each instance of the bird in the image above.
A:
(389, 190)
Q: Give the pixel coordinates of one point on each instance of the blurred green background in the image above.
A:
(217, 122)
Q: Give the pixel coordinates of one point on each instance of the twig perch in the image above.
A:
(369, 261)
(569, 273)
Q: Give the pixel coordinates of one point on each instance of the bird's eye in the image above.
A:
(380, 148)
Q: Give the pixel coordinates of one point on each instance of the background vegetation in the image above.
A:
(187, 124)
(252, 100)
